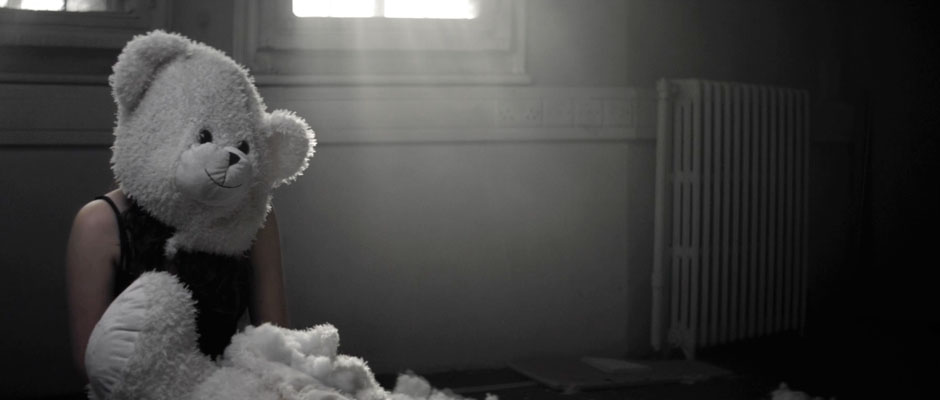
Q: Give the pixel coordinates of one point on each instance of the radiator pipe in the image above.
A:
(662, 225)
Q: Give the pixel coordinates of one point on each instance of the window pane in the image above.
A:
(335, 8)
(38, 5)
(86, 5)
(62, 5)
(442, 9)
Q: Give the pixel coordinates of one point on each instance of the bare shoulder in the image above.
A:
(98, 214)
(119, 199)
(92, 251)
(95, 229)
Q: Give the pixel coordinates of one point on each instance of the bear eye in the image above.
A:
(243, 146)
(205, 136)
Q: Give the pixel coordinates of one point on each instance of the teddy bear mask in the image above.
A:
(194, 145)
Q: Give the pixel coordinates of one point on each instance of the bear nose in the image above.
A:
(233, 159)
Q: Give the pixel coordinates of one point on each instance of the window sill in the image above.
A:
(391, 80)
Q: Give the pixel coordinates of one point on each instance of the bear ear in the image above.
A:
(138, 63)
(291, 143)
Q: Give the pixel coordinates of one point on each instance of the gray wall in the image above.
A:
(898, 82)
(435, 251)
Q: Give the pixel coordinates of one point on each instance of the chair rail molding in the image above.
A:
(75, 115)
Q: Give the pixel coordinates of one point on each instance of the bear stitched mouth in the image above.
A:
(223, 180)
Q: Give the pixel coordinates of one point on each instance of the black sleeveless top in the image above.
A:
(220, 284)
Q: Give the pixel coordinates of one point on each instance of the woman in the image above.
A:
(194, 145)
(112, 241)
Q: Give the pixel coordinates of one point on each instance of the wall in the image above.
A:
(897, 81)
(889, 293)
(435, 240)
(436, 237)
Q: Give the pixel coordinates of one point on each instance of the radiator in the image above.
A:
(731, 213)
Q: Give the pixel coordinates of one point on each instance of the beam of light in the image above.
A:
(337, 9)
(439, 9)
(86, 5)
(40, 5)
(56, 5)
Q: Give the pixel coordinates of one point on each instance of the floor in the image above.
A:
(870, 362)
(723, 388)
(867, 361)
(514, 386)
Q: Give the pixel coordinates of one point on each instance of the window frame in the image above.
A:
(94, 29)
(36, 34)
(486, 49)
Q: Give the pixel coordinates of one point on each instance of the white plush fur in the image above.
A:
(265, 362)
(169, 89)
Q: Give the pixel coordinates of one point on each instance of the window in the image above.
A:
(63, 5)
(382, 41)
(78, 23)
(70, 40)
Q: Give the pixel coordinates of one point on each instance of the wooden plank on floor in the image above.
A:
(571, 374)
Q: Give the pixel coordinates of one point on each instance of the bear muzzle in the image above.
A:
(213, 175)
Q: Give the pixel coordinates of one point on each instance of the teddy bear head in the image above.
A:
(194, 145)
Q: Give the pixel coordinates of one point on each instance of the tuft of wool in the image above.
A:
(412, 385)
(264, 362)
(409, 386)
(783, 392)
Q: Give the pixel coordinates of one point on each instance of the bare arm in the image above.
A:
(93, 248)
(267, 287)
